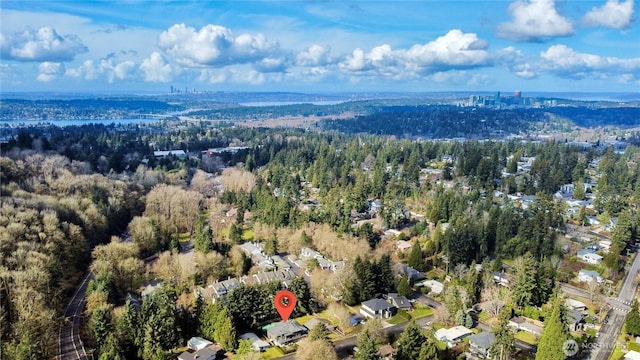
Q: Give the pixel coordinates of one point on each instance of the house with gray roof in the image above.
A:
(479, 344)
(377, 308)
(284, 333)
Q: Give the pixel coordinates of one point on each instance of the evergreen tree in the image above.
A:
(303, 295)
(632, 323)
(410, 342)
(203, 239)
(416, 259)
(502, 348)
(100, 324)
(525, 286)
(429, 349)
(404, 289)
(555, 333)
(367, 347)
(127, 331)
(225, 331)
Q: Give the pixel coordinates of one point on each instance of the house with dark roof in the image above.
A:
(377, 308)
(284, 333)
(479, 344)
(398, 301)
(207, 353)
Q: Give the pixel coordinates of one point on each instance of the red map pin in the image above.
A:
(285, 302)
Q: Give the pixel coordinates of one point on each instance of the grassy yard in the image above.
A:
(526, 337)
(617, 353)
(420, 312)
(483, 316)
(272, 353)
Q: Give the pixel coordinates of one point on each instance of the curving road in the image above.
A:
(70, 345)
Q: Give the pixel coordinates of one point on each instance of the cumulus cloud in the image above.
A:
(454, 51)
(313, 56)
(49, 71)
(106, 68)
(156, 69)
(42, 45)
(217, 46)
(566, 62)
(534, 21)
(613, 14)
(515, 62)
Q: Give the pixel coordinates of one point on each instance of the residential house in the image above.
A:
(315, 321)
(153, 286)
(280, 262)
(256, 343)
(575, 320)
(398, 301)
(452, 335)
(377, 308)
(605, 245)
(479, 344)
(198, 343)
(402, 245)
(180, 154)
(575, 305)
(207, 353)
(632, 355)
(589, 275)
(435, 286)
(217, 290)
(402, 269)
(258, 258)
(284, 333)
(520, 323)
(501, 278)
(386, 352)
(589, 256)
(283, 276)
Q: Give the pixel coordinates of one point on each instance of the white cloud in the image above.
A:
(49, 71)
(215, 46)
(515, 62)
(314, 55)
(156, 69)
(566, 62)
(454, 51)
(535, 21)
(104, 69)
(41, 45)
(613, 14)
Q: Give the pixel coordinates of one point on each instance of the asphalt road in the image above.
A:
(615, 319)
(70, 345)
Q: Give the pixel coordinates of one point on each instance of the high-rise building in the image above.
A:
(517, 97)
(496, 98)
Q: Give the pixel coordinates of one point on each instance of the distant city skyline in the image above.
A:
(346, 46)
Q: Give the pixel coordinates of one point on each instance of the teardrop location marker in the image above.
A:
(285, 302)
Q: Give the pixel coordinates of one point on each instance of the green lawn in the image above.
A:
(631, 345)
(617, 353)
(420, 312)
(484, 316)
(399, 318)
(526, 337)
(272, 353)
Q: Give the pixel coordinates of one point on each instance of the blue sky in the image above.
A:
(325, 46)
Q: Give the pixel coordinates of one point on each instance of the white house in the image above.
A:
(589, 257)
(452, 335)
(435, 286)
(589, 275)
(632, 355)
(256, 343)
